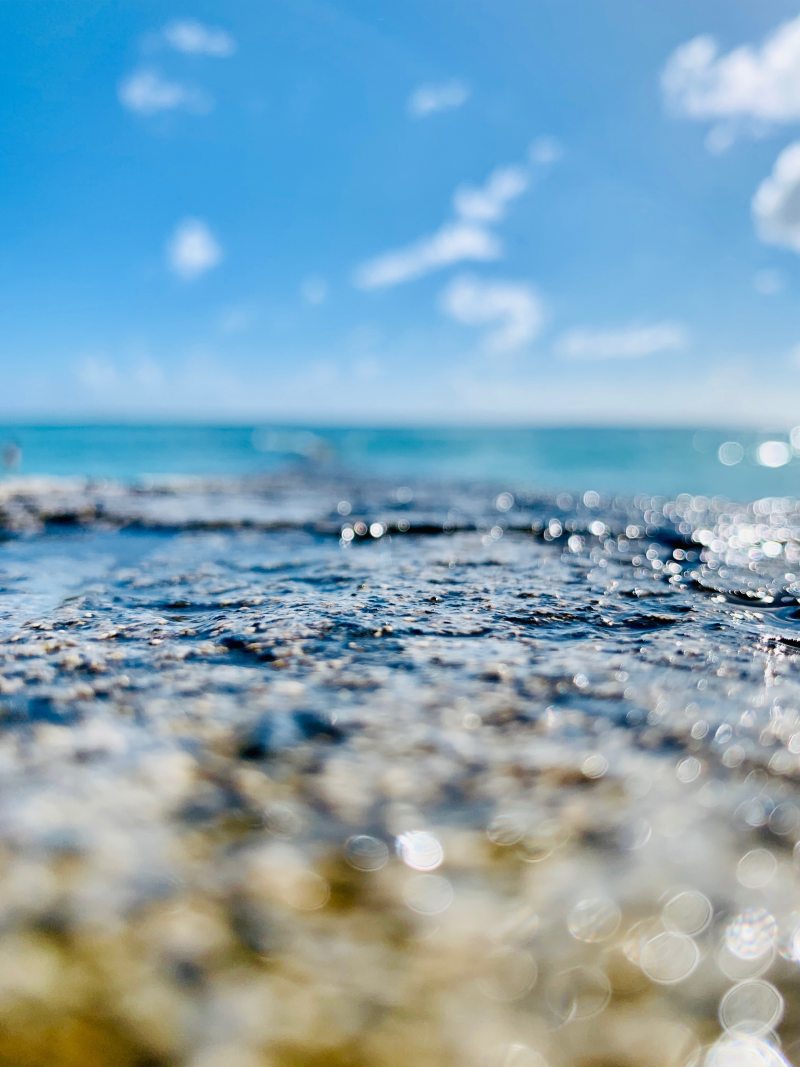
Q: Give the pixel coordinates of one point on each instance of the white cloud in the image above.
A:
(769, 282)
(428, 99)
(759, 83)
(776, 205)
(488, 203)
(467, 238)
(367, 369)
(96, 373)
(190, 36)
(148, 374)
(101, 376)
(545, 151)
(721, 138)
(452, 243)
(631, 343)
(314, 290)
(147, 92)
(322, 374)
(513, 309)
(236, 318)
(192, 250)
(137, 383)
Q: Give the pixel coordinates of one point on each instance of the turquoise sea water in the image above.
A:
(737, 464)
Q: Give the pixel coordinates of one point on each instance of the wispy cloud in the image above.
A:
(96, 373)
(489, 202)
(194, 38)
(192, 249)
(769, 282)
(99, 375)
(314, 290)
(136, 383)
(147, 92)
(236, 318)
(514, 310)
(545, 151)
(466, 238)
(445, 96)
(776, 204)
(452, 243)
(633, 342)
(755, 83)
(721, 138)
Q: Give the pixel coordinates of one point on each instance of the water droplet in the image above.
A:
(420, 850)
(594, 919)
(669, 958)
(688, 912)
(751, 934)
(510, 974)
(578, 993)
(366, 853)
(428, 894)
(753, 1007)
(756, 868)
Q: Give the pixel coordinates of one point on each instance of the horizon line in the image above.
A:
(179, 421)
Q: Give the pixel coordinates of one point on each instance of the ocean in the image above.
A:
(336, 748)
(738, 464)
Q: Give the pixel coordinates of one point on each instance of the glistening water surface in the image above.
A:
(313, 770)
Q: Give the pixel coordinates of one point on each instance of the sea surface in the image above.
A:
(738, 464)
(368, 749)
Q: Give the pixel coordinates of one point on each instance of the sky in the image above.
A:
(367, 211)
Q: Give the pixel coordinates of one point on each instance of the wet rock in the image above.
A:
(277, 732)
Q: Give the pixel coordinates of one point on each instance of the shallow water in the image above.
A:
(302, 770)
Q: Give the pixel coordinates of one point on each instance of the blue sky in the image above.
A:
(363, 210)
